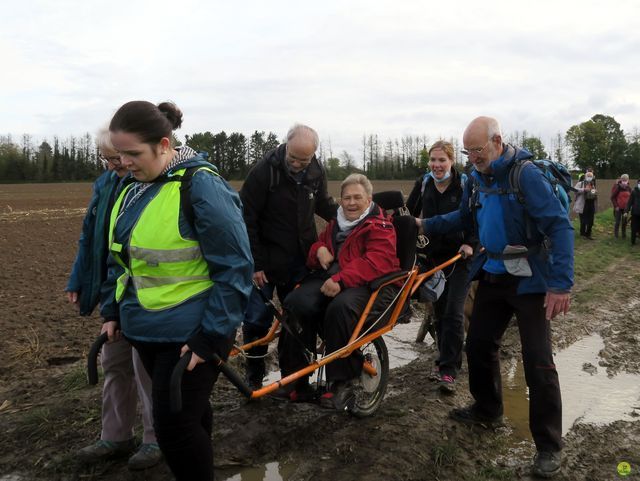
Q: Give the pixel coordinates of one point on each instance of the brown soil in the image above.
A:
(47, 412)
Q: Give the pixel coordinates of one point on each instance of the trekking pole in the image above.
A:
(92, 358)
(175, 386)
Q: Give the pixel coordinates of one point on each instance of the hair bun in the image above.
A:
(172, 112)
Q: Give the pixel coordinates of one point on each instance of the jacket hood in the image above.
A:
(510, 154)
(199, 160)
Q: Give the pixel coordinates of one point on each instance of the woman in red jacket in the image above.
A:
(356, 248)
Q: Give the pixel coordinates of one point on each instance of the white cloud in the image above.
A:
(345, 67)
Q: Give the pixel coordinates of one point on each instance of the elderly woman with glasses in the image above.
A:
(356, 248)
(125, 380)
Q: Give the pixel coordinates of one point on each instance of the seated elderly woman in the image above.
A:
(356, 248)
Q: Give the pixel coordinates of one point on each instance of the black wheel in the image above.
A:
(369, 390)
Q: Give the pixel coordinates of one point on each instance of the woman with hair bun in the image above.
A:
(180, 277)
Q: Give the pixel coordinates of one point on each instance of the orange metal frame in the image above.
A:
(411, 280)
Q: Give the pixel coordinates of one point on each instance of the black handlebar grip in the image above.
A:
(92, 358)
(233, 376)
(175, 386)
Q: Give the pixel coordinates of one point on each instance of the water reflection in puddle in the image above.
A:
(400, 344)
(588, 394)
(269, 472)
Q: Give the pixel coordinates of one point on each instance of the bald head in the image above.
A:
(302, 143)
(482, 139)
(484, 125)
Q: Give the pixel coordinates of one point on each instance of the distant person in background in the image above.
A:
(440, 192)
(633, 207)
(280, 196)
(125, 379)
(620, 193)
(586, 202)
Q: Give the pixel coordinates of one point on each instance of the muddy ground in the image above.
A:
(47, 412)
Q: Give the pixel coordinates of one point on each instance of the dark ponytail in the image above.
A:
(147, 121)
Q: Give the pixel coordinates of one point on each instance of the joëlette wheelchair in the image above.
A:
(372, 384)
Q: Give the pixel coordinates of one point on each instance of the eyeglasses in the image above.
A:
(112, 159)
(476, 151)
(300, 160)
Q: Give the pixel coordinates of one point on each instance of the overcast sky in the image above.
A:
(344, 67)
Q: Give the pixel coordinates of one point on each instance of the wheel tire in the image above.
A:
(368, 390)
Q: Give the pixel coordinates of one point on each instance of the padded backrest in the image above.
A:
(405, 225)
(406, 235)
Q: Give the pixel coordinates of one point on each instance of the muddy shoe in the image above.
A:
(102, 450)
(447, 384)
(341, 397)
(468, 415)
(434, 375)
(303, 393)
(546, 464)
(147, 456)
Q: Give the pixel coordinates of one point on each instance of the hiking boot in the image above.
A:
(102, 450)
(434, 375)
(546, 464)
(447, 384)
(298, 392)
(303, 394)
(147, 456)
(255, 368)
(255, 372)
(341, 397)
(468, 415)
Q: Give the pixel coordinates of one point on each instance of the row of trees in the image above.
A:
(68, 159)
(599, 143)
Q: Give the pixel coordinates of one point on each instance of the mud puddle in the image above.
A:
(269, 472)
(400, 343)
(402, 350)
(589, 395)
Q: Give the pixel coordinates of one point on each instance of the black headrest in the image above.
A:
(389, 200)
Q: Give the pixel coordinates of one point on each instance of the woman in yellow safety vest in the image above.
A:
(180, 274)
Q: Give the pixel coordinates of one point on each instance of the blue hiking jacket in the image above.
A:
(90, 266)
(220, 230)
(552, 269)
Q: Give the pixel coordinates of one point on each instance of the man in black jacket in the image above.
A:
(280, 195)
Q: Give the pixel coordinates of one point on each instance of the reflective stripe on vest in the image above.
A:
(164, 268)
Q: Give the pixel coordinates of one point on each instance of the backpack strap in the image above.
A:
(274, 177)
(185, 194)
(514, 178)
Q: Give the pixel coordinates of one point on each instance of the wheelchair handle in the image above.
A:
(175, 386)
(175, 389)
(92, 358)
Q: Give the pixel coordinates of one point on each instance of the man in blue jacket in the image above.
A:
(518, 275)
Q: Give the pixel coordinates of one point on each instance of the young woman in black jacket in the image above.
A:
(439, 192)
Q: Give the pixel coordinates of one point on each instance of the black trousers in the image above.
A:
(184, 437)
(635, 228)
(494, 305)
(619, 222)
(333, 318)
(449, 313)
(587, 216)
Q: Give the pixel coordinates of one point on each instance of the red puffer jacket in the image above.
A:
(367, 253)
(620, 195)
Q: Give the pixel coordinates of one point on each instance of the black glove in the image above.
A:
(204, 345)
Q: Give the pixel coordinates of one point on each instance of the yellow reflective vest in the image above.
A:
(164, 268)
